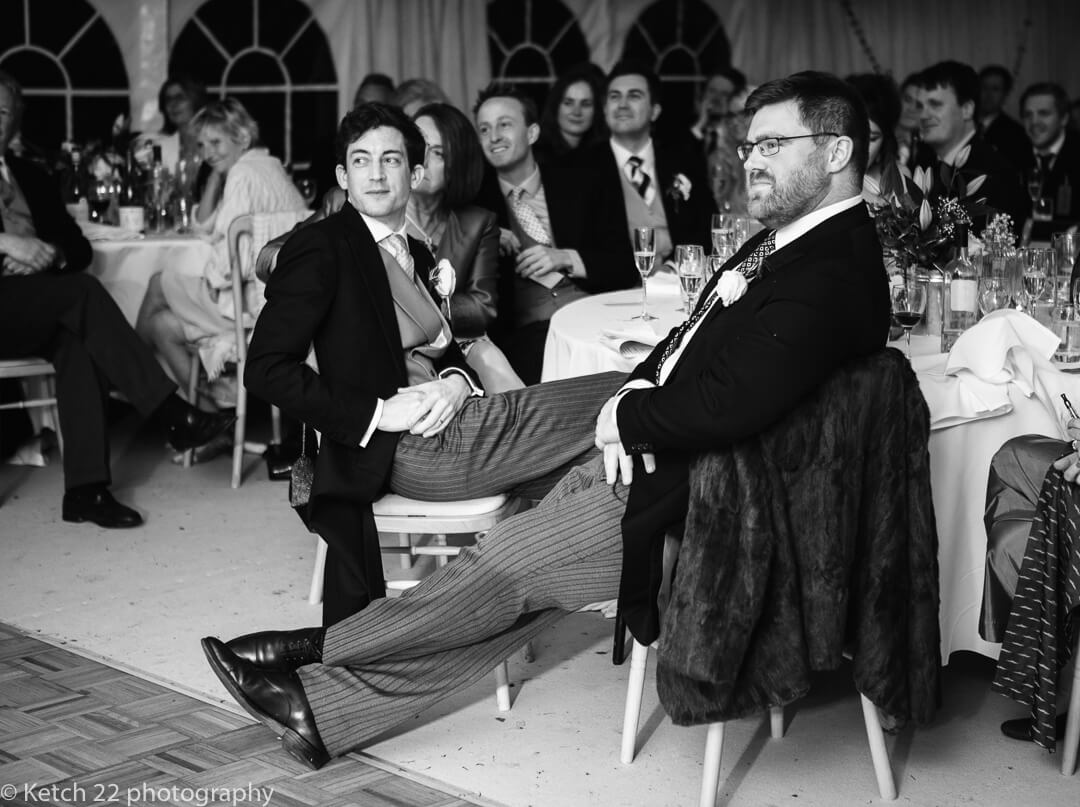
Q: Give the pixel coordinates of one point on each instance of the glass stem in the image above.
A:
(644, 298)
(907, 333)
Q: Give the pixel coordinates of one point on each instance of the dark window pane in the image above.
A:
(95, 60)
(230, 21)
(507, 19)
(93, 117)
(548, 19)
(13, 31)
(715, 52)
(570, 50)
(53, 22)
(44, 122)
(497, 56)
(194, 55)
(660, 21)
(699, 21)
(309, 60)
(528, 62)
(315, 122)
(279, 20)
(268, 109)
(255, 69)
(678, 62)
(34, 70)
(638, 48)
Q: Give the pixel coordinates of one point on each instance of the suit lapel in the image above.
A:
(367, 264)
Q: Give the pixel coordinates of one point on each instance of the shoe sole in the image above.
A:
(81, 520)
(295, 745)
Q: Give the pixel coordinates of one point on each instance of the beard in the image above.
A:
(790, 198)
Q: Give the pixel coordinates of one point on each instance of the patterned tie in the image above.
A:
(638, 178)
(750, 269)
(527, 218)
(397, 246)
(1045, 163)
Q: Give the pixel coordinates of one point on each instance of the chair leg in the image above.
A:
(776, 722)
(240, 428)
(405, 541)
(502, 687)
(54, 411)
(1072, 720)
(710, 775)
(618, 644)
(275, 425)
(635, 689)
(316, 592)
(440, 540)
(878, 752)
(193, 398)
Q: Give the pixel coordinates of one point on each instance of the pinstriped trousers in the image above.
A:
(395, 658)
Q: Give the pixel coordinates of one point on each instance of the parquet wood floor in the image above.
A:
(74, 731)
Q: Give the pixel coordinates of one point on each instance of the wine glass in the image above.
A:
(1037, 266)
(644, 258)
(908, 297)
(994, 294)
(99, 199)
(692, 275)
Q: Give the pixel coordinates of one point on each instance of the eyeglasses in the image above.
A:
(768, 146)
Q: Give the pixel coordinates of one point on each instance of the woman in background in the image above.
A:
(882, 100)
(572, 115)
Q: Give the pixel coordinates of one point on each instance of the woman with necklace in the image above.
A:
(440, 215)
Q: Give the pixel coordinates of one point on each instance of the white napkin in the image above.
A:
(956, 399)
(632, 340)
(106, 232)
(1005, 346)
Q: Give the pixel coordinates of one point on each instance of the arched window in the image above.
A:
(274, 57)
(684, 42)
(532, 41)
(71, 69)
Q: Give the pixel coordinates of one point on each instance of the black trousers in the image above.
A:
(74, 323)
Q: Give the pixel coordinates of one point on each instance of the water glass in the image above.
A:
(994, 294)
(1065, 323)
(1066, 247)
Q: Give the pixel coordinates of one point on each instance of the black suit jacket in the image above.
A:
(689, 220)
(1067, 202)
(1009, 138)
(52, 223)
(821, 301)
(329, 289)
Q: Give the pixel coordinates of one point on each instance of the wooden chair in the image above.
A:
(34, 368)
(714, 739)
(411, 517)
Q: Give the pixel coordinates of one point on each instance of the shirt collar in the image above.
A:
(801, 226)
(1054, 148)
(531, 185)
(379, 231)
(622, 154)
(950, 158)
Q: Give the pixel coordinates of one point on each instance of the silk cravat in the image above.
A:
(527, 218)
(641, 181)
(750, 269)
(397, 246)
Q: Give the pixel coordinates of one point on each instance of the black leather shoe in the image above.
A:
(196, 428)
(1020, 728)
(99, 506)
(280, 650)
(274, 697)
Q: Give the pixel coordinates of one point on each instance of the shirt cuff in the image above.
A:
(476, 392)
(637, 383)
(374, 423)
(577, 266)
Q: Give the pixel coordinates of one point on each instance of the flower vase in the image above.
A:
(934, 313)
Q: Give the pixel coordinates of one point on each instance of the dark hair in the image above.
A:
(550, 136)
(501, 89)
(194, 89)
(15, 88)
(826, 104)
(380, 80)
(366, 117)
(1002, 72)
(912, 80)
(882, 99)
(631, 67)
(418, 89)
(461, 153)
(959, 77)
(735, 76)
(1061, 98)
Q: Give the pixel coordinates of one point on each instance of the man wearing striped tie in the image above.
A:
(800, 299)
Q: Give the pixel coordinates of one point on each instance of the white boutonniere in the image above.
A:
(731, 286)
(444, 279)
(681, 187)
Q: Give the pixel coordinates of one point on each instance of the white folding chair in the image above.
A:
(34, 369)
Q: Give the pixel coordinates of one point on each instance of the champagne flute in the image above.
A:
(1036, 265)
(685, 253)
(692, 276)
(908, 296)
(644, 258)
(723, 231)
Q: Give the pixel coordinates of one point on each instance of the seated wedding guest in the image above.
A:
(414, 93)
(882, 101)
(998, 129)
(571, 117)
(1055, 152)
(179, 99)
(908, 140)
(377, 87)
(183, 309)
(948, 93)
(50, 308)
(816, 297)
(724, 166)
(561, 238)
(1017, 474)
(714, 106)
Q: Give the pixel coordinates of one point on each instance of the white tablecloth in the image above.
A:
(960, 450)
(125, 267)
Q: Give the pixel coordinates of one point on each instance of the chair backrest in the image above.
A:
(247, 235)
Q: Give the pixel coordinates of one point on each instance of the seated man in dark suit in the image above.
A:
(49, 308)
(947, 101)
(561, 238)
(799, 300)
(998, 129)
(659, 187)
(1055, 152)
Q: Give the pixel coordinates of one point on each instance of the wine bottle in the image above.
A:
(75, 189)
(157, 193)
(132, 196)
(961, 293)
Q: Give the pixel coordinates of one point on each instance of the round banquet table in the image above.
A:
(125, 267)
